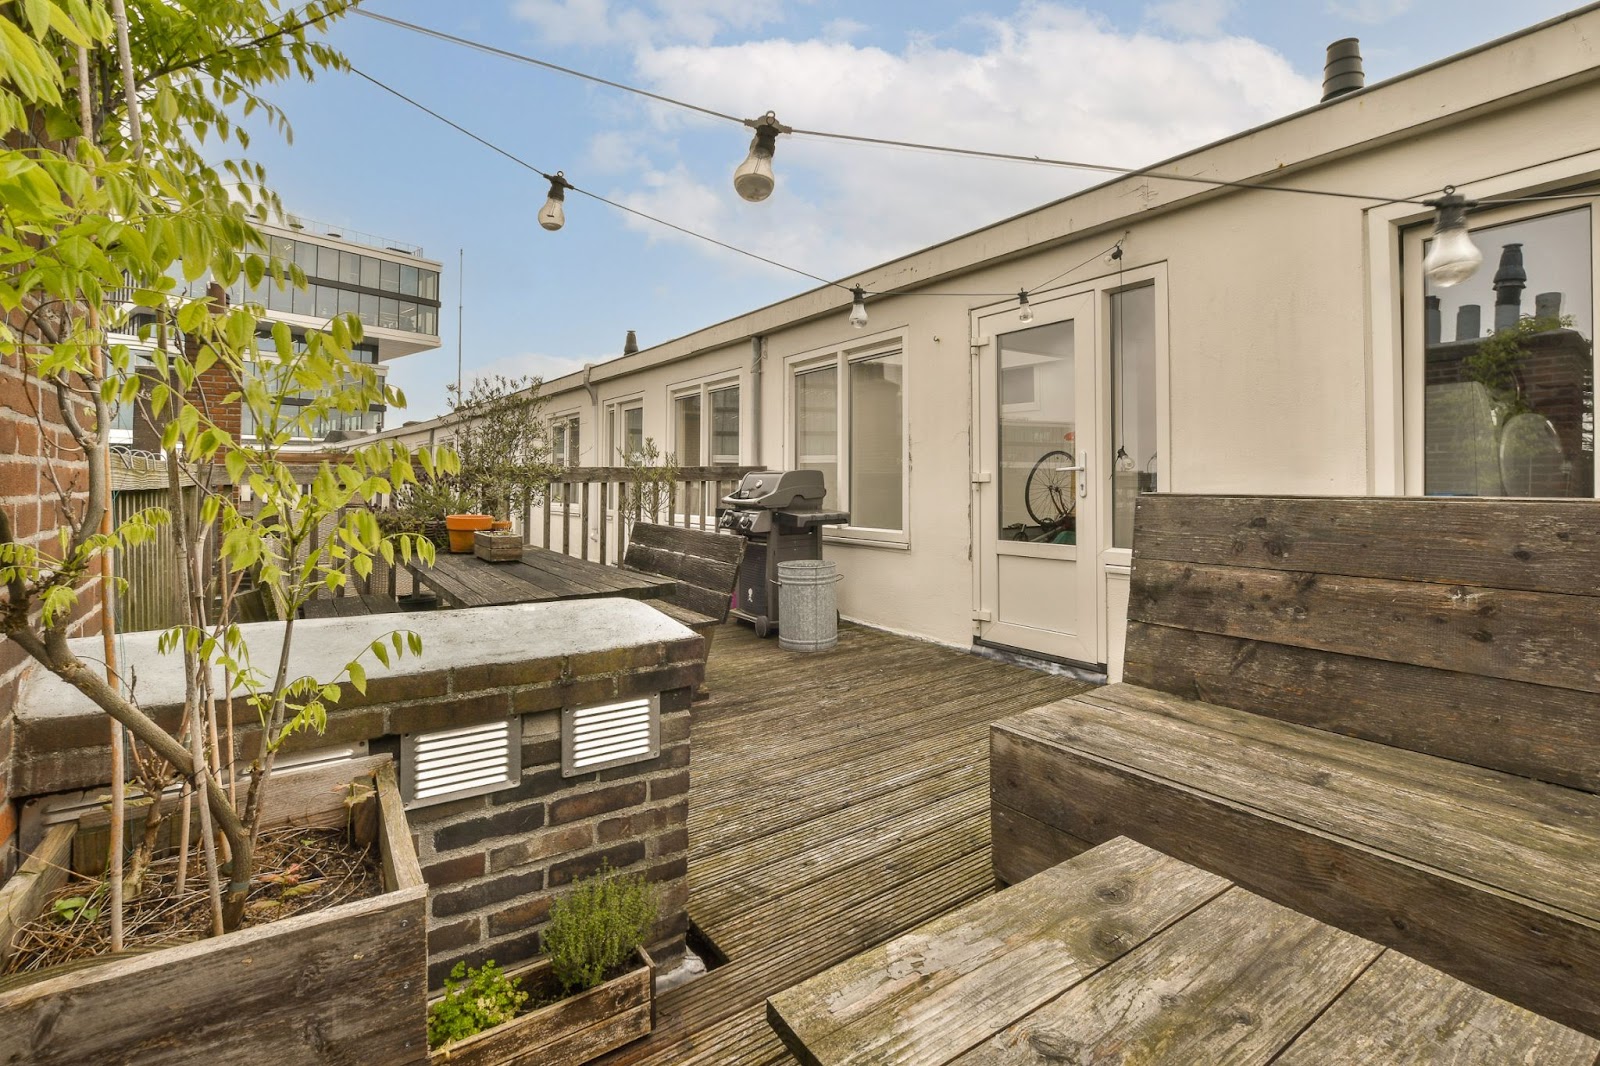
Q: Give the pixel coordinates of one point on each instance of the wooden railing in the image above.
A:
(589, 509)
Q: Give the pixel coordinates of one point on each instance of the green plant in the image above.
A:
(498, 430)
(1495, 361)
(595, 928)
(474, 1000)
(652, 479)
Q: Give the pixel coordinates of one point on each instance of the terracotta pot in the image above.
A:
(462, 527)
(501, 524)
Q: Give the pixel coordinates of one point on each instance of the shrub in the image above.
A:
(596, 927)
(474, 1000)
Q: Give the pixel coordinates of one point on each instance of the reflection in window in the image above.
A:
(686, 429)
(369, 272)
(1508, 383)
(1038, 426)
(428, 285)
(725, 425)
(1133, 406)
(816, 410)
(876, 442)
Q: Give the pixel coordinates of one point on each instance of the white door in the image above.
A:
(1036, 480)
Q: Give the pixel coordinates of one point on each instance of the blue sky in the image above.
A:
(1123, 83)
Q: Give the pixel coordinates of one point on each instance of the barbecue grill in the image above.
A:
(779, 512)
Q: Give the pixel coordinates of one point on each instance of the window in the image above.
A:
(626, 430)
(1507, 363)
(705, 424)
(686, 429)
(369, 272)
(564, 440)
(725, 426)
(1133, 405)
(855, 434)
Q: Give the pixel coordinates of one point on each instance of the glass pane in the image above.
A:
(304, 303)
(572, 443)
(280, 297)
(408, 315)
(725, 426)
(633, 430)
(877, 442)
(281, 249)
(389, 313)
(389, 276)
(408, 280)
(368, 307)
(428, 321)
(1508, 399)
(348, 301)
(350, 268)
(1133, 406)
(1038, 418)
(816, 420)
(686, 429)
(327, 298)
(369, 272)
(305, 257)
(428, 284)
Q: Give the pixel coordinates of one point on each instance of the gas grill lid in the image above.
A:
(776, 489)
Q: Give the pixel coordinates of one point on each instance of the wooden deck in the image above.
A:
(837, 800)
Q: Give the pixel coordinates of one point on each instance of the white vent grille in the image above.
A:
(593, 738)
(452, 763)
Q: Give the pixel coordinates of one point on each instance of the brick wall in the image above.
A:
(36, 453)
(493, 863)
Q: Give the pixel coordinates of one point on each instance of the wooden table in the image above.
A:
(541, 576)
(1126, 955)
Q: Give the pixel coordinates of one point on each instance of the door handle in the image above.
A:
(1082, 470)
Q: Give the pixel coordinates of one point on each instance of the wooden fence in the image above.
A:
(588, 510)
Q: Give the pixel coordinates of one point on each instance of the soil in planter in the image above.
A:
(298, 870)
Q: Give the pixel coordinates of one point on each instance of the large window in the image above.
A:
(625, 430)
(855, 434)
(1508, 363)
(705, 424)
(564, 440)
(340, 282)
(725, 425)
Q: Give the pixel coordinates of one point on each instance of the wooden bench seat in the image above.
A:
(1382, 713)
(704, 565)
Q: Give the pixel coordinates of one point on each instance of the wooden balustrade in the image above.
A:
(589, 509)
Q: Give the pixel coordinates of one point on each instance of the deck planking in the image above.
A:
(837, 800)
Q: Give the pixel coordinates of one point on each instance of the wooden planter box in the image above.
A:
(568, 1033)
(345, 984)
(497, 546)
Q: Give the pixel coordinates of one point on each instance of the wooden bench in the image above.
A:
(1384, 713)
(704, 565)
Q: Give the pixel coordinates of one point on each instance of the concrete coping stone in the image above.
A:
(479, 636)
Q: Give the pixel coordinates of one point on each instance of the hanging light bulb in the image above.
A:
(552, 216)
(1453, 257)
(753, 179)
(858, 309)
(1026, 314)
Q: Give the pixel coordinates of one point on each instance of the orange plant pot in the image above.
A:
(461, 527)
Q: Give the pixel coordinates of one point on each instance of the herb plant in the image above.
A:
(596, 927)
(474, 1000)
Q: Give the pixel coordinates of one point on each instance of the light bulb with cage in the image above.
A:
(753, 179)
(552, 216)
(1453, 258)
(1025, 314)
(858, 308)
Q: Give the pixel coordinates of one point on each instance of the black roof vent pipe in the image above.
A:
(631, 344)
(1342, 73)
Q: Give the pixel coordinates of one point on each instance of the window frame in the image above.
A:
(1409, 237)
(703, 387)
(615, 429)
(842, 357)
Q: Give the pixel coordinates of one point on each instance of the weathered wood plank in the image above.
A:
(1024, 846)
(1233, 982)
(23, 895)
(1516, 726)
(1402, 1013)
(401, 870)
(345, 985)
(1539, 637)
(1535, 545)
(719, 547)
(960, 979)
(1541, 957)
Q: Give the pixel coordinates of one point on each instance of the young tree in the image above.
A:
(498, 431)
(106, 185)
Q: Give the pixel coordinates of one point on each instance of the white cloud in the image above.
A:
(535, 364)
(599, 22)
(843, 29)
(1050, 80)
(1193, 18)
(1369, 12)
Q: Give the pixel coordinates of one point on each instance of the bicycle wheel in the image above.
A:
(1051, 492)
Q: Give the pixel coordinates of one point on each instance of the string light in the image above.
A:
(1453, 257)
(753, 179)
(1025, 315)
(858, 307)
(552, 216)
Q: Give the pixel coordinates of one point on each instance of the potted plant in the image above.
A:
(592, 992)
(462, 527)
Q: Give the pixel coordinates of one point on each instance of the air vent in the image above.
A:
(453, 763)
(593, 738)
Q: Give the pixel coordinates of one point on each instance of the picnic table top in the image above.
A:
(540, 576)
(1124, 954)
